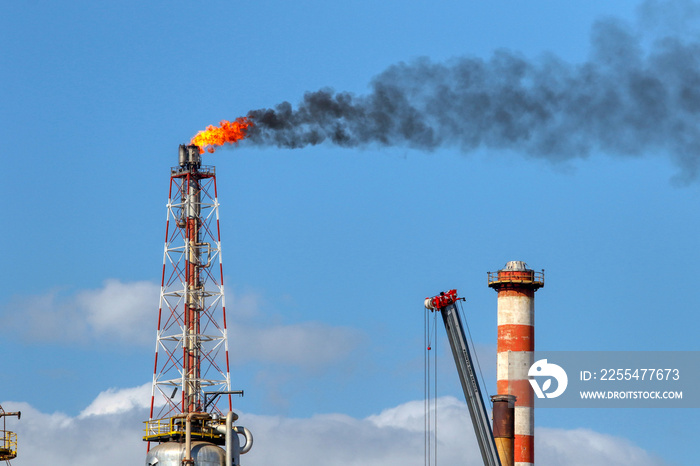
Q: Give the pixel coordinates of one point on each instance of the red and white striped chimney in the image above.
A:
(516, 286)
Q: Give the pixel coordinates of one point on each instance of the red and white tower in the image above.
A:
(191, 343)
(191, 369)
(516, 286)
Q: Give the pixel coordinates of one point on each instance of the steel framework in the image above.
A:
(8, 439)
(191, 354)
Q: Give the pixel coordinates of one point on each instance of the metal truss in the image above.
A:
(191, 354)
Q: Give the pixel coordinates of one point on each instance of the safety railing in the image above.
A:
(8, 448)
(175, 427)
(204, 170)
(516, 276)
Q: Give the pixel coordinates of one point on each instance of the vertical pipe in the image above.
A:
(233, 444)
(229, 439)
(504, 427)
(187, 315)
(516, 286)
(188, 442)
(192, 306)
(188, 433)
(196, 296)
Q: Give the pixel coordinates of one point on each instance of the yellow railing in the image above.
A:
(8, 448)
(157, 427)
(173, 427)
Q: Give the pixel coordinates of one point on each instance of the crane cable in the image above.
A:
(430, 388)
(476, 355)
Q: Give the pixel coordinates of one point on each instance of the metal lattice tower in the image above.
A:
(191, 355)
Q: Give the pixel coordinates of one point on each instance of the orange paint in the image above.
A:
(518, 275)
(512, 337)
(520, 388)
(524, 448)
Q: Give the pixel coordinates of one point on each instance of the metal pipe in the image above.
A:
(229, 440)
(227, 430)
(182, 155)
(504, 427)
(233, 447)
(248, 438)
(188, 432)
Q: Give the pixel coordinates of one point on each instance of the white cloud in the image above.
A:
(122, 311)
(61, 440)
(260, 336)
(116, 312)
(109, 431)
(126, 312)
(244, 306)
(114, 401)
(583, 447)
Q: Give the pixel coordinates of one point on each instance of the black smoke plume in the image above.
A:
(627, 99)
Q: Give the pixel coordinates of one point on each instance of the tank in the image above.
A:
(172, 454)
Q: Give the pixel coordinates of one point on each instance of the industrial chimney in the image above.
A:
(516, 285)
(504, 427)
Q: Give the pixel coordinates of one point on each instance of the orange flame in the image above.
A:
(228, 132)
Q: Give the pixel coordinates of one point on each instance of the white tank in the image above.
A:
(172, 454)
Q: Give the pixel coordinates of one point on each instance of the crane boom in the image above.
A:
(445, 304)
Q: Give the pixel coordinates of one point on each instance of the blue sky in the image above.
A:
(334, 248)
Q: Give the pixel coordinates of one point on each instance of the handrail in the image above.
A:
(171, 427)
(206, 170)
(519, 276)
(8, 449)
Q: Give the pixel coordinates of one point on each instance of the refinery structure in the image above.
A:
(191, 413)
(191, 421)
